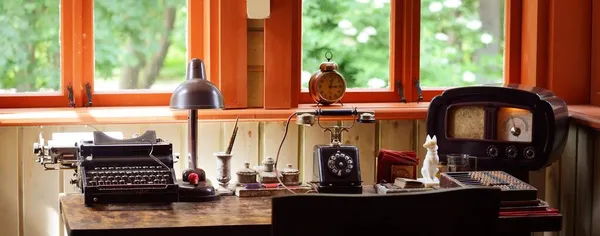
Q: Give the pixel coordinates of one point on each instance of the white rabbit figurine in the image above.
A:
(430, 164)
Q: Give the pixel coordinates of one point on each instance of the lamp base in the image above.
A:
(202, 192)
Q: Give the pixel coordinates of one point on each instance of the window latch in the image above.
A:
(71, 99)
(401, 91)
(419, 91)
(88, 92)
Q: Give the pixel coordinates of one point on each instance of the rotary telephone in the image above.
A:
(336, 167)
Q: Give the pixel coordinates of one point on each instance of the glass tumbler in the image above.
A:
(461, 163)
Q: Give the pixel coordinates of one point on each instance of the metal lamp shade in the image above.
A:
(196, 92)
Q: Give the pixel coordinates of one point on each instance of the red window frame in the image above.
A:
(283, 37)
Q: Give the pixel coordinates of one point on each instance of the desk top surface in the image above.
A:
(227, 211)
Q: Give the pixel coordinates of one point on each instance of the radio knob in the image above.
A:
(492, 151)
(529, 153)
(511, 152)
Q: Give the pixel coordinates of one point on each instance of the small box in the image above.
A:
(404, 171)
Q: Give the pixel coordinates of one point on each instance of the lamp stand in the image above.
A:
(193, 139)
(203, 190)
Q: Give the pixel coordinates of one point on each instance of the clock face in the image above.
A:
(331, 86)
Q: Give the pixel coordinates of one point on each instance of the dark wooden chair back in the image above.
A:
(459, 211)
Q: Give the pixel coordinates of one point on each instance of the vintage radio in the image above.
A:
(512, 127)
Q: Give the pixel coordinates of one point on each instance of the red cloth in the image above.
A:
(386, 158)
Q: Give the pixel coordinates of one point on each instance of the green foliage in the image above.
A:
(129, 33)
(443, 63)
(126, 33)
(29, 42)
(358, 61)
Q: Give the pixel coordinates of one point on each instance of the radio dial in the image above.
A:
(492, 151)
(529, 153)
(511, 152)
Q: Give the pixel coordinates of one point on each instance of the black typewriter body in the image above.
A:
(126, 173)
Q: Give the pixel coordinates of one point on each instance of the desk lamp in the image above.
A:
(193, 94)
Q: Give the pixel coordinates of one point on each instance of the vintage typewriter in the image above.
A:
(110, 170)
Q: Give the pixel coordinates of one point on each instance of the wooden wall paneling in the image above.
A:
(363, 137)
(584, 186)
(210, 140)
(596, 186)
(41, 215)
(552, 188)
(282, 54)
(568, 170)
(595, 83)
(245, 148)
(256, 48)
(309, 137)
(272, 133)
(397, 135)
(10, 192)
(421, 136)
(537, 179)
(255, 89)
(233, 33)
(256, 25)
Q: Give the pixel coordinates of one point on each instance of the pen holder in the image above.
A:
(223, 169)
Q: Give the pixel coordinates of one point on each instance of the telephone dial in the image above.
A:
(336, 167)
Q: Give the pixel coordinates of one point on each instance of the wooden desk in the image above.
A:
(227, 216)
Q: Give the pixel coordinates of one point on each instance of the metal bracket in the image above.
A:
(419, 91)
(88, 92)
(71, 99)
(401, 91)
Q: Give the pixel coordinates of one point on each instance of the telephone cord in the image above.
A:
(287, 124)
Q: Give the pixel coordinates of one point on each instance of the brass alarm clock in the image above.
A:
(327, 85)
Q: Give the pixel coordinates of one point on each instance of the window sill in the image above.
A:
(138, 115)
(586, 115)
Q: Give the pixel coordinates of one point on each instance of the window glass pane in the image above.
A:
(29, 46)
(462, 42)
(357, 32)
(139, 44)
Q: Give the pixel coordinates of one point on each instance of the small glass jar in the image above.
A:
(246, 175)
(290, 175)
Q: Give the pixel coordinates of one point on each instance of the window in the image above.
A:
(357, 33)
(139, 44)
(436, 44)
(462, 43)
(33, 71)
(30, 46)
(121, 52)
